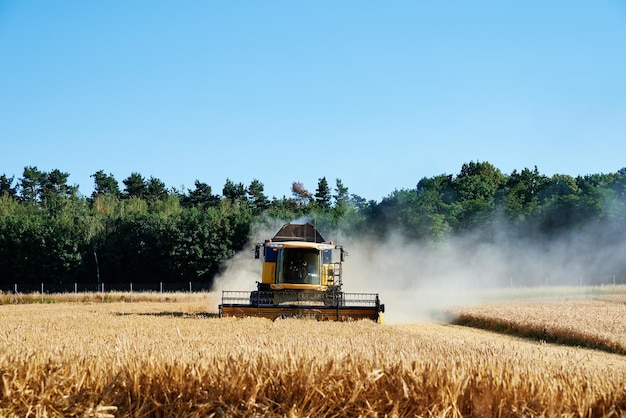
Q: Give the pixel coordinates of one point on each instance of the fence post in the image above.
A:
(131, 292)
(42, 293)
(161, 291)
(189, 291)
(15, 292)
(102, 292)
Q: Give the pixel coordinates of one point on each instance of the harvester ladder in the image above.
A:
(335, 274)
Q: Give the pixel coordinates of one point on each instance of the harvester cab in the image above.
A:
(301, 276)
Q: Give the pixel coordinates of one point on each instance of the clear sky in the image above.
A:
(377, 93)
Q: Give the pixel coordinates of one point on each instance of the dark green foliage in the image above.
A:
(438, 205)
(322, 194)
(105, 184)
(256, 197)
(136, 250)
(6, 186)
(135, 186)
(155, 189)
(234, 191)
(38, 244)
(200, 196)
(521, 193)
(31, 184)
(476, 188)
(149, 235)
(341, 198)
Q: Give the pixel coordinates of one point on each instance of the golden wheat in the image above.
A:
(596, 323)
(154, 359)
(7, 298)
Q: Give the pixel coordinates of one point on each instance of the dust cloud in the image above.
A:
(419, 281)
(242, 271)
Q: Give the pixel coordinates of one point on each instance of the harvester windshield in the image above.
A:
(299, 266)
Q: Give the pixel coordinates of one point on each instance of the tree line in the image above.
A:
(142, 232)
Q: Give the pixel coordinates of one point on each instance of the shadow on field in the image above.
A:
(171, 314)
(543, 334)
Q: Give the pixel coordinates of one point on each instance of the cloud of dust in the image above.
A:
(419, 281)
(242, 271)
(414, 281)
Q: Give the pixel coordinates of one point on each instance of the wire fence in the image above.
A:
(161, 291)
(167, 291)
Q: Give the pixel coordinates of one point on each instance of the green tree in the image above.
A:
(194, 244)
(105, 184)
(284, 208)
(239, 219)
(619, 183)
(38, 245)
(234, 192)
(438, 206)
(342, 202)
(133, 206)
(106, 204)
(341, 196)
(476, 187)
(54, 189)
(65, 243)
(55, 184)
(359, 201)
(155, 189)
(207, 237)
(390, 215)
(135, 186)
(618, 186)
(6, 186)
(598, 201)
(30, 184)
(256, 197)
(323, 196)
(560, 200)
(201, 195)
(136, 251)
(10, 206)
(22, 242)
(560, 185)
(523, 188)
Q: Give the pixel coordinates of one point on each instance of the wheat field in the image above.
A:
(590, 322)
(151, 359)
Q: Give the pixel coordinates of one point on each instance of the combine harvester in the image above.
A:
(301, 279)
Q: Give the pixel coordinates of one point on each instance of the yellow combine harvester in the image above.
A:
(301, 278)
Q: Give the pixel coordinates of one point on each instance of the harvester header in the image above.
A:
(302, 277)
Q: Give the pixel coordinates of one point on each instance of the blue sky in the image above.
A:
(378, 94)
